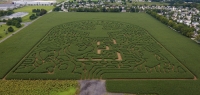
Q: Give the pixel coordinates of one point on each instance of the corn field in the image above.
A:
(36, 87)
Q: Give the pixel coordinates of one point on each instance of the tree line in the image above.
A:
(14, 22)
(182, 28)
(4, 13)
(103, 9)
(37, 12)
(57, 8)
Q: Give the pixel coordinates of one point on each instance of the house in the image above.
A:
(195, 24)
(35, 3)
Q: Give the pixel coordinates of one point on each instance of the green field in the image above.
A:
(39, 87)
(3, 33)
(152, 55)
(29, 10)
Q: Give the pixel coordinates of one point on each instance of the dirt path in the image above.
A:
(98, 51)
(107, 48)
(98, 43)
(114, 41)
(119, 56)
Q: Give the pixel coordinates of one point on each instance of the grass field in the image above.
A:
(29, 10)
(60, 0)
(3, 33)
(166, 59)
(143, 3)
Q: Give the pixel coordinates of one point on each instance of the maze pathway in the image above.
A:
(98, 49)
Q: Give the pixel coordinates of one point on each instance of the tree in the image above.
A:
(14, 22)
(56, 9)
(37, 10)
(4, 20)
(42, 12)
(190, 34)
(171, 23)
(9, 22)
(9, 12)
(10, 29)
(34, 10)
(18, 25)
(197, 38)
(32, 17)
(198, 31)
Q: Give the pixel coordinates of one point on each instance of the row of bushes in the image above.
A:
(94, 9)
(4, 13)
(38, 12)
(182, 28)
(14, 22)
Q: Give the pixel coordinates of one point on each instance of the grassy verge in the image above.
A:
(29, 10)
(5, 27)
(60, 0)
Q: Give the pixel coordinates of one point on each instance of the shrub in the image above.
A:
(10, 29)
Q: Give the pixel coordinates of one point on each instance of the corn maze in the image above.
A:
(99, 49)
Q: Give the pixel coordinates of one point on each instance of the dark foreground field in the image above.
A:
(160, 60)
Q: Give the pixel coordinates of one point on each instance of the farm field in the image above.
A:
(126, 49)
(29, 10)
(60, 0)
(39, 87)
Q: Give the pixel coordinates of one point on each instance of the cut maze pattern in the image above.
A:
(101, 49)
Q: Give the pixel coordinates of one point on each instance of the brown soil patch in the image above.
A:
(114, 41)
(107, 48)
(98, 43)
(119, 56)
(195, 78)
(98, 51)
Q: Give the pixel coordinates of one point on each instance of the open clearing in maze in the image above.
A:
(99, 49)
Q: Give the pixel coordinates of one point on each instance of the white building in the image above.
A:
(8, 6)
(34, 3)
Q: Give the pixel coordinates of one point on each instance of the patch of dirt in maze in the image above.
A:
(98, 43)
(107, 48)
(119, 56)
(98, 51)
(114, 41)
